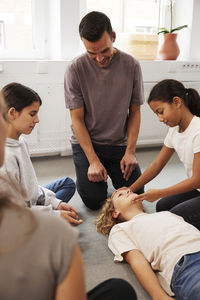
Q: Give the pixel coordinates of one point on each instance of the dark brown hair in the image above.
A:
(167, 89)
(19, 96)
(93, 25)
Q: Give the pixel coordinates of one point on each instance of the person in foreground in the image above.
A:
(162, 249)
(22, 114)
(104, 92)
(40, 256)
(179, 108)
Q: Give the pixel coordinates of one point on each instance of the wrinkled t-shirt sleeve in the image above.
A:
(196, 143)
(168, 139)
(120, 242)
(73, 94)
(138, 88)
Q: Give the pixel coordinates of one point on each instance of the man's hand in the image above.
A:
(69, 213)
(127, 165)
(97, 172)
(150, 195)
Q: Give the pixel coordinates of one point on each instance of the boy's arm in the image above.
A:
(145, 275)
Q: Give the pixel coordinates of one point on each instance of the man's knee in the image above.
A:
(121, 289)
(92, 200)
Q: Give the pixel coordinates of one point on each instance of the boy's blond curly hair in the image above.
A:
(105, 221)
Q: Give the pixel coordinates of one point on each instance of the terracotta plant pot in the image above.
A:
(169, 49)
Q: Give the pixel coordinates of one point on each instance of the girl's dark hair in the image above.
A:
(19, 96)
(93, 25)
(167, 89)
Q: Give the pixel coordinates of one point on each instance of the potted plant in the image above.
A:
(169, 49)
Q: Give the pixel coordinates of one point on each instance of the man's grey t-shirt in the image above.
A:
(32, 265)
(106, 95)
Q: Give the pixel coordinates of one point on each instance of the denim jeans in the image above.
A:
(93, 194)
(64, 188)
(185, 281)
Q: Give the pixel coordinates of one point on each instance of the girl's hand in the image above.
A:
(65, 206)
(150, 195)
(69, 213)
(70, 217)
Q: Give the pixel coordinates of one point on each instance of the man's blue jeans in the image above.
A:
(185, 281)
(64, 188)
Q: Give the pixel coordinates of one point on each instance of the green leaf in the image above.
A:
(163, 31)
(178, 28)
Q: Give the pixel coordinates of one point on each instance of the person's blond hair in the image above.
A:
(105, 221)
(13, 197)
(3, 106)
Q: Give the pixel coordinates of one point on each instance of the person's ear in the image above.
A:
(113, 36)
(115, 214)
(12, 114)
(177, 101)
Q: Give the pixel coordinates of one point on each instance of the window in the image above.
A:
(16, 16)
(48, 29)
(1, 34)
(18, 37)
(136, 23)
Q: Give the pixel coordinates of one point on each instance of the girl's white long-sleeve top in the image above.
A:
(18, 166)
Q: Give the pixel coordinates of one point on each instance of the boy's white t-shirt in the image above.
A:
(162, 237)
(186, 143)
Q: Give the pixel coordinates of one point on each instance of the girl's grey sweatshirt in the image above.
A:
(18, 166)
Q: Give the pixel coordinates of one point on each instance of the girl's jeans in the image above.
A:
(64, 188)
(185, 281)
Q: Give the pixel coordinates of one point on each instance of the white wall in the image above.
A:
(51, 135)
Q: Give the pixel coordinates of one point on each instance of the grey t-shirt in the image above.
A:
(106, 95)
(33, 265)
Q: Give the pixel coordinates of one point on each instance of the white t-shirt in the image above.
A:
(186, 143)
(162, 237)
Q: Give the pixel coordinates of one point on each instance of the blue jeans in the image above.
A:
(64, 188)
(185, 281)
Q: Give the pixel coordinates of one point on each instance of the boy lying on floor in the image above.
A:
(162, 249)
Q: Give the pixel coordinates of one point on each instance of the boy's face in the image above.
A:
(122, 200)
(101, 51)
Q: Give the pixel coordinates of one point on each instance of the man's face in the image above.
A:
(101, 51)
